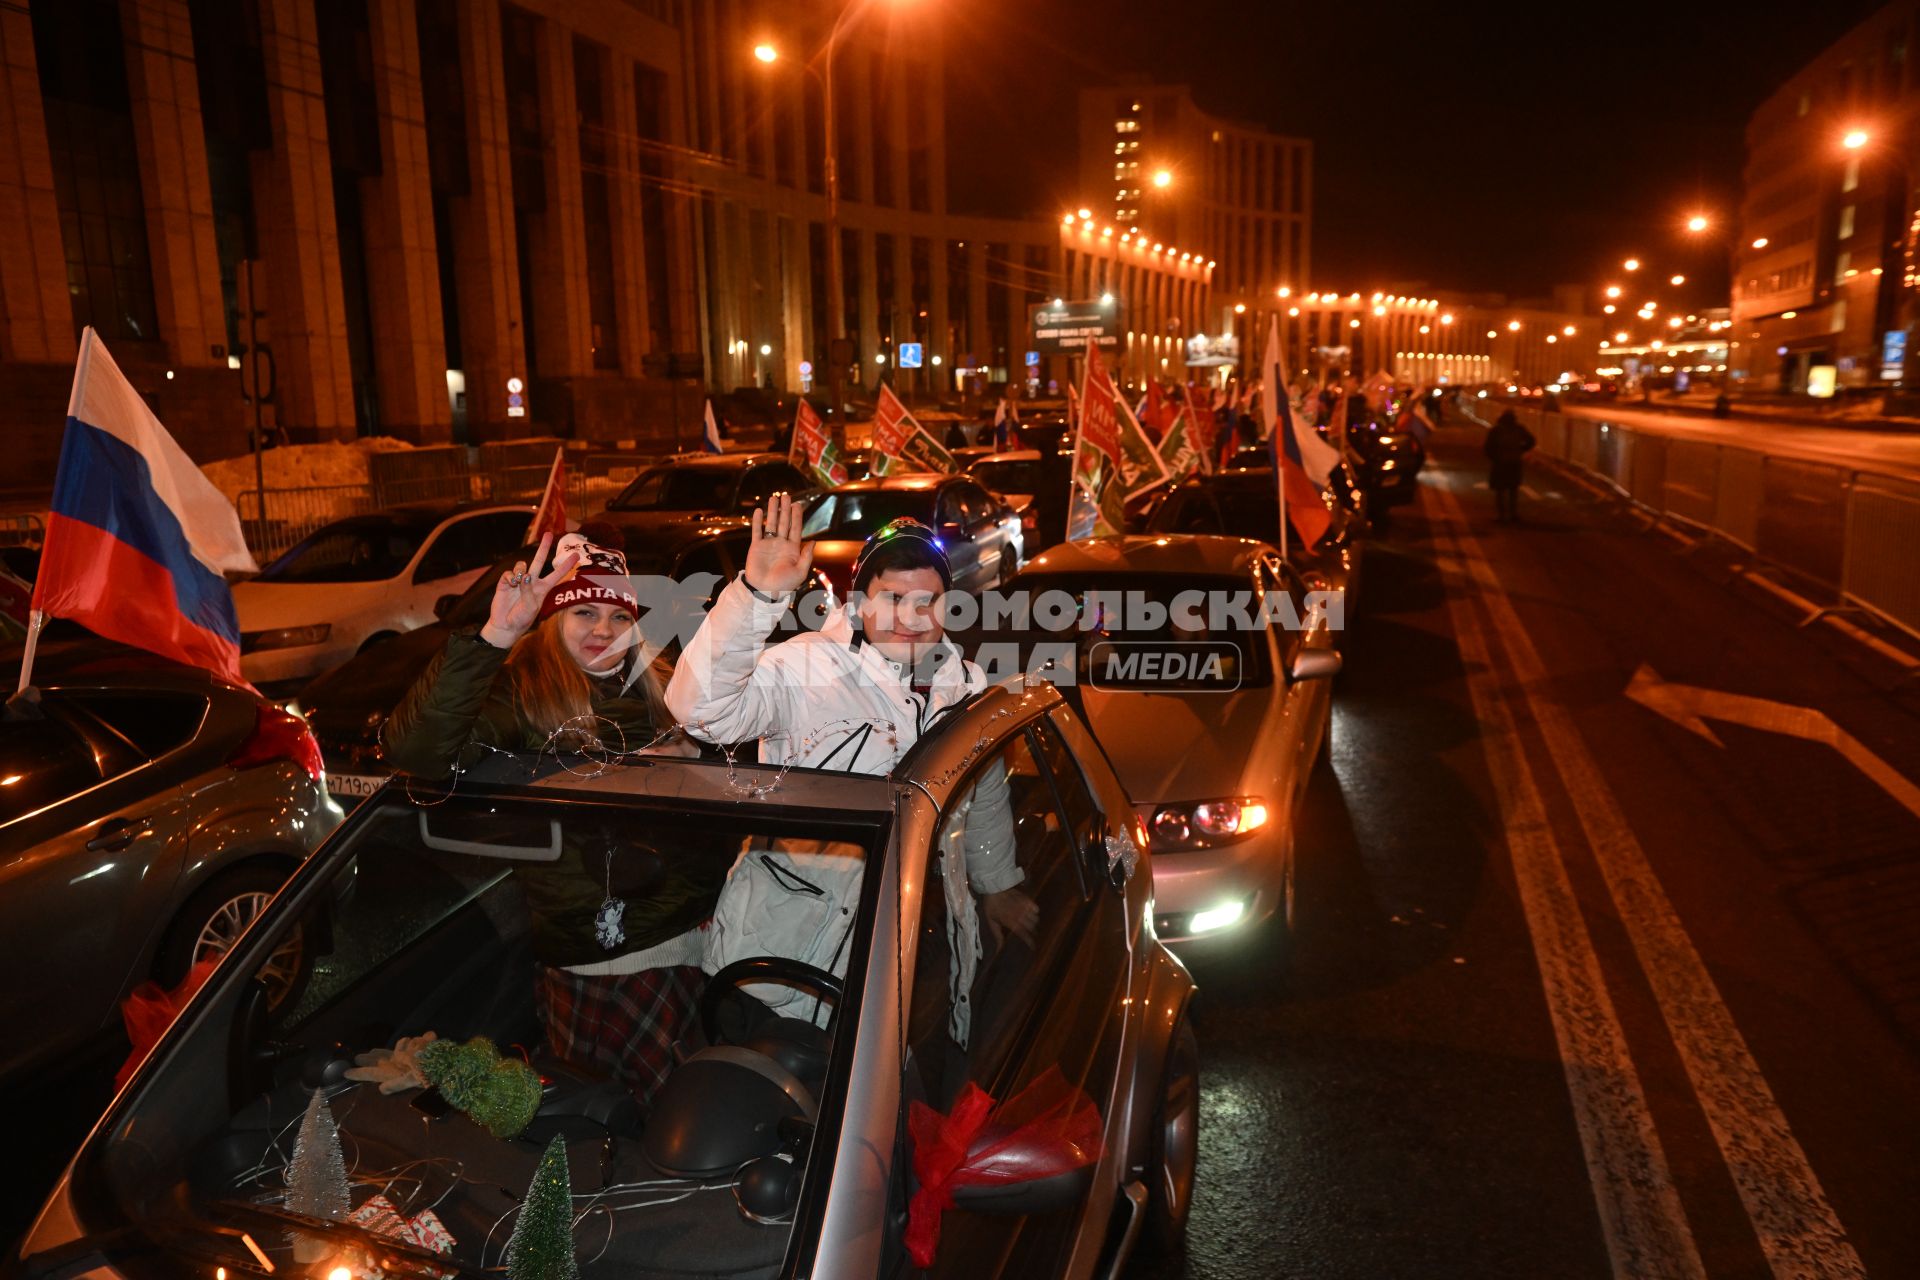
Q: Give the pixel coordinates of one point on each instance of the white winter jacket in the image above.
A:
(824, 699)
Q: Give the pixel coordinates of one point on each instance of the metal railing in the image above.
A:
(1849, 536)
(292, 514)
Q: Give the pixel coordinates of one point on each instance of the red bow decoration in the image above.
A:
(1047, 1129)
(150, 1009)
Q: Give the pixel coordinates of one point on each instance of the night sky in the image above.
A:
(1464, 147)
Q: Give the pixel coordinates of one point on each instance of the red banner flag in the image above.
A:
(1100, 408)
(551, 517)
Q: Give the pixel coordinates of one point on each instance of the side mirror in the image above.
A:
(1315, 664)
(1019, 1185)
(444, 606)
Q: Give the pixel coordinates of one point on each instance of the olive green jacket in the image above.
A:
(461, 704)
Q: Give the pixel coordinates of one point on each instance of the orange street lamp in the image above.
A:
(1163, 178)
(765, 52)
(1854, 139)
(1613, 291)
(1698, 223)
(1676, 280)
(1760, 242)
(1631, 264)
(1513, 326)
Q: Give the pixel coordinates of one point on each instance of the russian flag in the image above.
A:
(710, 433)
(138, 540)
(1300, 501)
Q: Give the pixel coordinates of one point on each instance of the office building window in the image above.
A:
(96, 174)
(880, 111)
(590, 64)
(650, 102)
(1845, 228)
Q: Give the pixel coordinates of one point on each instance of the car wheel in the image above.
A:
(216, 916)
(1176, 1147)
(376, 638)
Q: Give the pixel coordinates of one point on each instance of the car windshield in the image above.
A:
(360, 549)
(1160, 632)
(672, 488)
(855, 514)
(483, 913)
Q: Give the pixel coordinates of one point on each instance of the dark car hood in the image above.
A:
(347, 705)
(654, 523)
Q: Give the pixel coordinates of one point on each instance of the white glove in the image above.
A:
(395, 1070)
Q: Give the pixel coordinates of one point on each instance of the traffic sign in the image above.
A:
(1033, 357)
(910, 353)
(806, 367)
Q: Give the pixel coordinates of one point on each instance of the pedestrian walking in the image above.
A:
(1507, 445)
(617, 923)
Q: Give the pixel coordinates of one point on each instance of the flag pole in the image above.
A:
(35, 620)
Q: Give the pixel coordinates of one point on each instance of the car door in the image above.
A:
(85, 830)
(453, 557)
(1306, 702)
(1054, 1002)
(990, 531)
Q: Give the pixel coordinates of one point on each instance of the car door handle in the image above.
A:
(114, 835)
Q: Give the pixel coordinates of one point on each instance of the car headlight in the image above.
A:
(1206, 823)
(285, 637)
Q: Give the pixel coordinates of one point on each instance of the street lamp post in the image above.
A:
(838, 357)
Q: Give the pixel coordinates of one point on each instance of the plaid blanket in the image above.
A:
(621, 1025)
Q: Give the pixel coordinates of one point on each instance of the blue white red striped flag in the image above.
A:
(138, 541)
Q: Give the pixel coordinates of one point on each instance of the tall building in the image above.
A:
(1152, 161)
(472, 220)
(1823, 263)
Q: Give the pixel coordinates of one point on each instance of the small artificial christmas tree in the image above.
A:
(316, 1176)
(541, 1247)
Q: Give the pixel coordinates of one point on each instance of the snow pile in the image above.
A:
(302, 466)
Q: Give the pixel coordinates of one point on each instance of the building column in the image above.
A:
(629, 226)
(403, 269)
(976, 286)
(867, 279)
(165, 100)
(36, 316)
(485, 254)
(559, 233)
(938, 310)
(299, 237)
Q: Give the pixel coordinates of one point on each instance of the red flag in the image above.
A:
(1158, 417)
(552, 514)
(1100, 408)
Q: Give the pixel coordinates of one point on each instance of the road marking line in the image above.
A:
(1641, 1217)
(1685, 704)
(1797, 1227)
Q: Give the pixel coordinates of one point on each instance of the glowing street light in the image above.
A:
(1698, 223)
(1613, 291)
(1447, 319)
(1569, 331)
(1676, 280)
(1631, 264)
(765, 52)
(1760, 242)
(1620, 337)
(1609, 308)
(1492, 334)
(1854, 139)
(1163, 178)
(1239, 308)
(1513, 326)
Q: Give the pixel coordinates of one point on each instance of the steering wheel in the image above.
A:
(795, 973)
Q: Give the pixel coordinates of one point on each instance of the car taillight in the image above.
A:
(1029, 519)
(279, 735)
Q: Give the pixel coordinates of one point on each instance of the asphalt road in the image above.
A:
(1575, 991)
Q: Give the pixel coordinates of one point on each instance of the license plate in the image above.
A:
(355, 786)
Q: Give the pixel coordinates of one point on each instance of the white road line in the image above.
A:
(1796, 1226)
(1641, 1217)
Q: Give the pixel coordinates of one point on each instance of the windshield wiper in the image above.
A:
(385, 1249)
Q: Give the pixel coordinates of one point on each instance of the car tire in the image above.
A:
(215, 917)
(1173, 1159)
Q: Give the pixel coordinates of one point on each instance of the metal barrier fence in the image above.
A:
(22, 529)
(292, 514)
(1851, 536)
